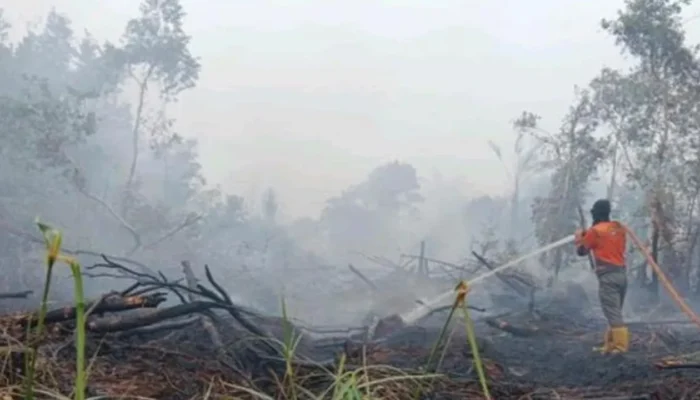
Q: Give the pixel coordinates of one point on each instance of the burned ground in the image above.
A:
(182, 363)
(139, 347)
(555, 364)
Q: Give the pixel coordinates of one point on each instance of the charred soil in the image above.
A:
(182, 363)
(209, 347)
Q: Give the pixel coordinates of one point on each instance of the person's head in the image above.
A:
(600, 211)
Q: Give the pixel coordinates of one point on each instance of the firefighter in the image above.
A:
(607, 241)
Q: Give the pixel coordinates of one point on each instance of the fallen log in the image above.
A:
(218, 296)
(156, 328)
(521, 331)
(128, 322)
(679, 366)
(112, 302)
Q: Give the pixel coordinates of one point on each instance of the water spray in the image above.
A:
(426, 306)
(412, 316)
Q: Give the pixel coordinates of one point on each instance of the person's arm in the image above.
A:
(586, 241)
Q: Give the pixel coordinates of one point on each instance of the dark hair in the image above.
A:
(601, 210)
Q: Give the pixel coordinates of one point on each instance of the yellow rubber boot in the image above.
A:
(607, 343)
(620, 339)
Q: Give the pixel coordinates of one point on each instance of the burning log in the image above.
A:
(202, 301)
(113, 302)
(216, 298)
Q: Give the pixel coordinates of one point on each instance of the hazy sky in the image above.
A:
(309, 95)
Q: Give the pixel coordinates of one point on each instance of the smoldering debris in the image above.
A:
(142, 345)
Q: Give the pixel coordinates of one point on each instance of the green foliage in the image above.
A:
(643, 124)
(63, 118)
(651, 31)
(573, 156)
(156, 45)
(52, 241)
(157, 42)
(526, 122)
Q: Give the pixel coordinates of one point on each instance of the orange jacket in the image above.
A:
(607, 240)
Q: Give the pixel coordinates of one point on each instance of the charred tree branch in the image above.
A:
(204, 319)
(109, 303)
(221, 300)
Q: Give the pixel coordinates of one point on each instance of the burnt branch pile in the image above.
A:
(163, 338)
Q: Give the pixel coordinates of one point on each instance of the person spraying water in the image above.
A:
(607, 241)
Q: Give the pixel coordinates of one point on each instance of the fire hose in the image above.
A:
(664, 279)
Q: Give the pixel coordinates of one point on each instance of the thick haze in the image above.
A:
(309, 96)
(328, 134)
